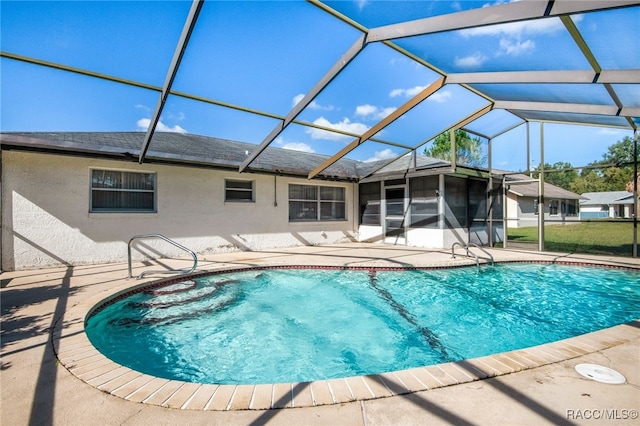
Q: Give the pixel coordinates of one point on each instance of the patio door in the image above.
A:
(395, 203)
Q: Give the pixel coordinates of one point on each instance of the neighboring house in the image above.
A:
(561, 207)
(72, 198)
(610, 204)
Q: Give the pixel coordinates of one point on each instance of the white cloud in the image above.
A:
(609, 132)
(294, 146)
(143, 124)
(345, 125)
(516, 47)
(298, 146)
(373, 112)
(515, 36)
(440, 96)
(409, 93)
(472, 61)
(385, 154)
(143, 108)
(517, 29)
(313, 105)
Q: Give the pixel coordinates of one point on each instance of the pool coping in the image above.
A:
(76, 353)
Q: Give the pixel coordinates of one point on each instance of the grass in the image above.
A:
(608, 238)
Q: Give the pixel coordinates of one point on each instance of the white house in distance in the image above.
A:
(561, 207)
(612, 204)
(72, 198)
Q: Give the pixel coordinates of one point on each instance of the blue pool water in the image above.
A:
(296, 325)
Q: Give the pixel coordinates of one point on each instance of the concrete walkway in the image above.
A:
(41, 310)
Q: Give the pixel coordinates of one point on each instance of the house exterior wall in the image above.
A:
(46, 219)
(521, 212)
(594, 212)
(606, 211)
(513, 211)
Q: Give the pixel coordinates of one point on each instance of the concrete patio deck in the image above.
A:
(43, 310)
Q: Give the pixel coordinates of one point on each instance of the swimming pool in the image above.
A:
(296, 325)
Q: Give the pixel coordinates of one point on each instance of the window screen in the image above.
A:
(370, 203)
(424, 201)
(455, 198)
(478, 200)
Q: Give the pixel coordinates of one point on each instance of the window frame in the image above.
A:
(239, 200)
(319, 202)
(153, 191)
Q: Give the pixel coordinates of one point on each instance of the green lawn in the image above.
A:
(614, 238)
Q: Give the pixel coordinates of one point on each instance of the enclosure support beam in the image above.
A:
(403, 109)
(528, 150)
(489, 200)
(189, 25)
(342, 63)
(541, 206)
(636, 134)
(505, 218)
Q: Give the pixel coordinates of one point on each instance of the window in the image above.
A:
(569, 208)
(424, 202)
(238, 191)
(553, 207)
(315, 203)
(369, 203)
(118, 191)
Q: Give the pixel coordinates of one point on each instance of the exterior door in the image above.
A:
(395, 212)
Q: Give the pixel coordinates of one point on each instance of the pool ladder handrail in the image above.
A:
(161, 271)
(472, 254)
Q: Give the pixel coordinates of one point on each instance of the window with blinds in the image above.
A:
(120, 191)
(309, 203)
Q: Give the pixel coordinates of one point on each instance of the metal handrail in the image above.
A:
(490, 257)
(470, 253)
(165, 271)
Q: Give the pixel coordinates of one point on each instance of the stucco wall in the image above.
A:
(46, 219)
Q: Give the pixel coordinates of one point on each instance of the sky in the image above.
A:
(264, 56)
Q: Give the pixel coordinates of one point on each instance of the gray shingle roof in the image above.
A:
(530, 189)
(188, 148)
(208, 151)
(611, 197)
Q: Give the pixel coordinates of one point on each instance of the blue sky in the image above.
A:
(265, 56)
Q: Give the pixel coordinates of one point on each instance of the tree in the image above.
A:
(562, 178)
(613, 178)
(468, 149)
(620, 153)
(589, 181)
